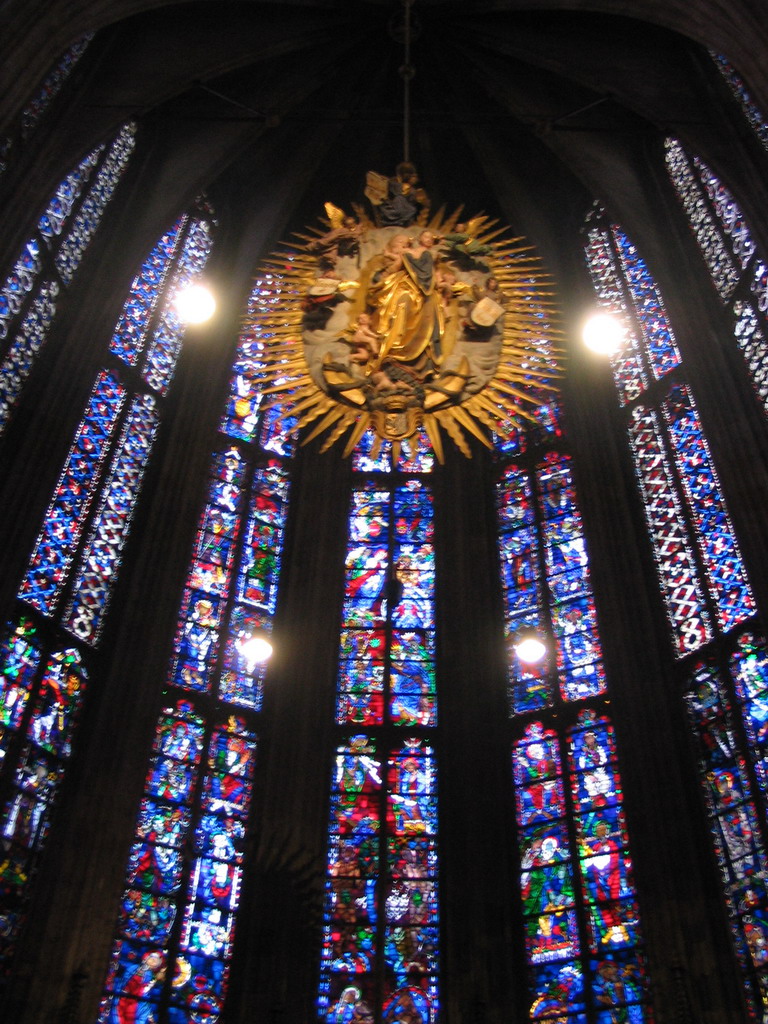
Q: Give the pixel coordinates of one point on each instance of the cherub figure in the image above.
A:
(364, 341)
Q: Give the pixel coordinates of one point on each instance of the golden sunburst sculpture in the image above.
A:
(443, 324)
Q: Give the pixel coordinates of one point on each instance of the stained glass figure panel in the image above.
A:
(372, 454)
(242, 416)
(564, 863)
(48, 717)
(198, 636)
(521, 582)
(735, 828)
(20, 656)
(749, 670)
(566, 566)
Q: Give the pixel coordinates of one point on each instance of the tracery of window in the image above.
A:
(381, 922)
(44, 97)
(49, 260)
(71, 575)
(176, 926)
(739, 90)
(738, 271)
(584, 945)
(701, 572)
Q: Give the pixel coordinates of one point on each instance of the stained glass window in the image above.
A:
(702, 575)
(381, 923)
(111, 449)
(572, 862)
(178, 913)
(739, 90)
(29, 295)
(584, 946)
(738, 271)
(47, 92)
(701, 572)
(175, 911)
(69, 581)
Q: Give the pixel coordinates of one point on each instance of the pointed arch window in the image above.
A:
(709, 602)
(738, 271)
(584, 943)
(49, 261)
(178, 913)
(70, 577)
(381, 942)
(701, 571)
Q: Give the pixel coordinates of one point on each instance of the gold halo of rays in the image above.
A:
(529, 364)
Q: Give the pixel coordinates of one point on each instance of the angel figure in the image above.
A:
(397, 201)
(463, 249)
(343, 239)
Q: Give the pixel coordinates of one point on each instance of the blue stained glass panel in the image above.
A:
(130, 332)
(54, 219)
(735, 828)
(52, 85)
(197, 639)
(19, 283)
(567, 572)
(725, 569)
(520, 577)
(100, 561)
(660, 345)
(88, 217)
(168, 335)
(26, 344)
(56, 545)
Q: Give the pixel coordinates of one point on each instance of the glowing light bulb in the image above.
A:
(256, 650)
(530, 649)
(195, 304)
(603, 333)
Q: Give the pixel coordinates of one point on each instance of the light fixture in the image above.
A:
(603, 333)
(255, 649)
(195, 303)
(529, 647)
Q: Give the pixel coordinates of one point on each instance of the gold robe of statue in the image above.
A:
(407, 312)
